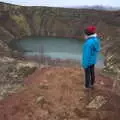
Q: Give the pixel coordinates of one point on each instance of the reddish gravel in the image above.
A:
(59, 94)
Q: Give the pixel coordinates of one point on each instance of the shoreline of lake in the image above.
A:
(52, 49)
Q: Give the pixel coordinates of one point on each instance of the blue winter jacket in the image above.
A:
(90, 51)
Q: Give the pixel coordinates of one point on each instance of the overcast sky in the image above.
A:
(64, 3)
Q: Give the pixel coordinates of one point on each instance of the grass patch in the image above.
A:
(22, 23)
(38, 19)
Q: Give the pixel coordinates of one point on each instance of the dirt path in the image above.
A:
(59, 94)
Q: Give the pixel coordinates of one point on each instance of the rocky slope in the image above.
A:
(12, 74)
(18, 21)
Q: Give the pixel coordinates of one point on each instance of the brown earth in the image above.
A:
(58, 93)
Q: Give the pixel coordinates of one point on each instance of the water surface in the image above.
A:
(63, 48)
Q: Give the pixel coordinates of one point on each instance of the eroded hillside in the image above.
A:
(18, 21)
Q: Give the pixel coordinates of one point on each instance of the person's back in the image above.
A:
(90, 51)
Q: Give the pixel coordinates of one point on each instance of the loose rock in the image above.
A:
(97, 102)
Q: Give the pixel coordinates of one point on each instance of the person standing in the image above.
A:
(91, 48)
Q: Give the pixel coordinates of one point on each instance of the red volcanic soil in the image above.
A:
(58, 93)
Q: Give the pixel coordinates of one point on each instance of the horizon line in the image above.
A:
(66, 6)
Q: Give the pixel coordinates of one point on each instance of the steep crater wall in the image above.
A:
(17, 22)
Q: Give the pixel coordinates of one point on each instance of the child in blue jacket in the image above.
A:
(91, 49)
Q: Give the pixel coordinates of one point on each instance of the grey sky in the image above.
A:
(63, 3)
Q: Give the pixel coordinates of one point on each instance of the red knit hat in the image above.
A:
(90, 30)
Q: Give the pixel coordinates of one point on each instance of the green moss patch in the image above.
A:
(22, 23)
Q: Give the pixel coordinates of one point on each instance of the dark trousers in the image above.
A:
(89, 76)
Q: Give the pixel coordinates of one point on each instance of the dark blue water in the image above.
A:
(62, 48)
